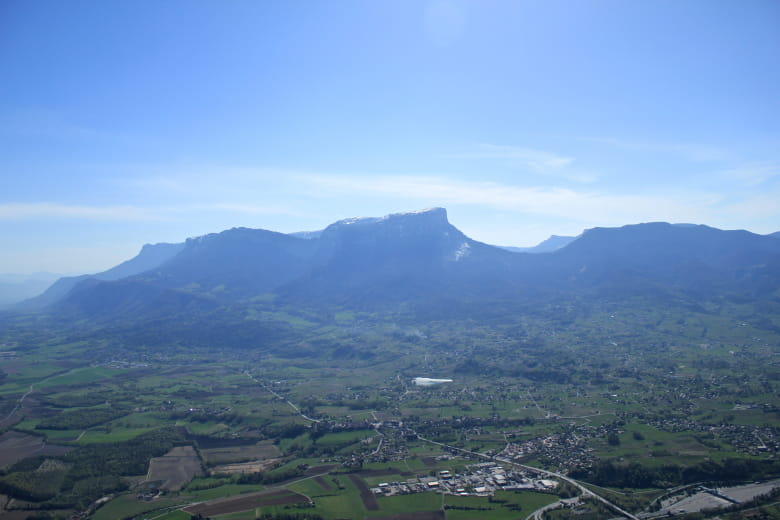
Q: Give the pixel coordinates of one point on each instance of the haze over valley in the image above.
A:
(389, 260)
(392, 362)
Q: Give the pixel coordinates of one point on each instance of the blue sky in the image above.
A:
(124, 123)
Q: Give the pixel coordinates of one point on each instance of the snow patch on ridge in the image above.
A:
(357, 220)
(361, 220)
(462, 251)
(415, 212)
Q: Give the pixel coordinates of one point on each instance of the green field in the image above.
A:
(665, 396)
(504, 506)
(124, 506)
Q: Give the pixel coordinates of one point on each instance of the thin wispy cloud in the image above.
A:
(754, 173)
(246, 209)
(580, 205)
(35, 123)
(533, 158)
(202, 181)
(690, 151)
(37, 210)
(530, 160)
(157, 184)
(757, 207)
(45, 210)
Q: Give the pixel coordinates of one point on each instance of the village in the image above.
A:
(483, 479)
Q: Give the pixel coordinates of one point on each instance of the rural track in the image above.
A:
(297, 410)
(31, 390)
(19, 403)
(284, 486)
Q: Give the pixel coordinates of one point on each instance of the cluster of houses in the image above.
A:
(565, 451)
(482, 480)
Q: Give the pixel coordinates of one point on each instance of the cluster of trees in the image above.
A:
(195, 327)
(87, 473)
(81, 418)
(231, 418)
(270, 477)
(557, 368)
(316, 450)
(285, 431)
(31, 482)
(277, 432)
(635, 475)
(450, 429)
(310, 403)
(289, 516)
(274, 516)
(70, 400)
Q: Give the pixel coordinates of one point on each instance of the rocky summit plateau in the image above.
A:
(419, 260)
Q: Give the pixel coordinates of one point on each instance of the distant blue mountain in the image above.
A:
(306, 234)
(419, 259)
(150, 257)
(15, 288)
(553, 243)
(694, 259)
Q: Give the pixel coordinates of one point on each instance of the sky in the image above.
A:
(125, 123)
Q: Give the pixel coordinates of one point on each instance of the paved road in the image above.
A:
(31, 390)
(538, 514)
(297, 410)
(585, 491)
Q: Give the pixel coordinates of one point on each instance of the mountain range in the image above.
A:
(549, 245)
(419, 260)
(17, 287)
